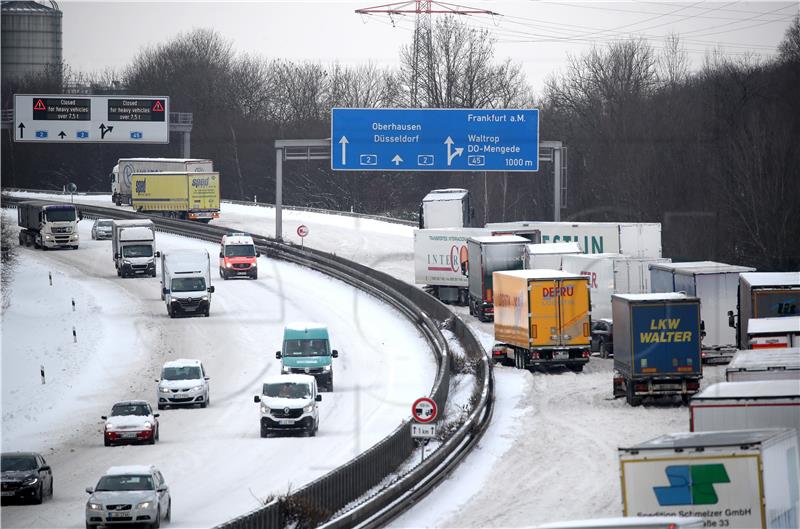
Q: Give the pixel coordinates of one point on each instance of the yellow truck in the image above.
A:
(541, 319)
(181, 195)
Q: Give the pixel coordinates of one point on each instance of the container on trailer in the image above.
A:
(764, 295)
(446, 208)
(486, 256)
(549, 255)
(766, 333)
(764, 364)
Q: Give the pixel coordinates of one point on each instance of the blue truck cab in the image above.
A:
(306, 350)
(657, 341)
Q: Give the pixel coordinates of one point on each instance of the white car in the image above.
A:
(135, 494)
(183, 382)
(130, 421)
(289, 403)
(102, 228)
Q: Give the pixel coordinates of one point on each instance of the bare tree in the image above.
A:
(673, 62)
(789, 48)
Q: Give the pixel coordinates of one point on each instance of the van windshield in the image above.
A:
(137, 250)
(316, 347)
(240, 250)
(287, 390)
(188, 284)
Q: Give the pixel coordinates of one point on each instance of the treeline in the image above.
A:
(712, 155)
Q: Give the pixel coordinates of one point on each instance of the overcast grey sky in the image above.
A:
(537, 34)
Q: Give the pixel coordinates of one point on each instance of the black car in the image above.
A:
(603, 338)
(26, 476)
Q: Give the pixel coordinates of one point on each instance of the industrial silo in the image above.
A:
(31, 38)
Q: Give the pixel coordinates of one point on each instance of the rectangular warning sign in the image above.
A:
(61, 109)
(136, 109)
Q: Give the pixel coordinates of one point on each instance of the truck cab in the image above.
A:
(133, 244)
(48, 225)
(238, 256)
(306, 349)
(446, 208)
(186, 282)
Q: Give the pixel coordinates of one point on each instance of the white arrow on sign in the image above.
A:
(397, 159)
(343, 142)
(457, 152)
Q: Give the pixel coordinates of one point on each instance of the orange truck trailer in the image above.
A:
(541, 319)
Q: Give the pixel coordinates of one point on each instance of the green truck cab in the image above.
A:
(307, 350)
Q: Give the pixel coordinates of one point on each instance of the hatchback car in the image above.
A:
(102, 228)
(130, 421)
(136, 494)
(603, 338)
(25, 476)
(289, 403)
(183, 382)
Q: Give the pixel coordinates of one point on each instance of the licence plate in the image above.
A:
(560, 355)
(118, 514)
(7, 493)
(286, 422)
(128, 435)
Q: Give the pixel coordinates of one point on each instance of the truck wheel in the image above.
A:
(170, 312)
(686, 398)
(264, 431)
(630, 397)
(21, 239)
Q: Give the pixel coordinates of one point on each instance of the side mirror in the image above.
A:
(90, 489)
(45, 468)
(464, 266)
(156, 415)
(104, 417)
(116, 256)
(731, 319)
(80, 215)
(220, 255)
(157, 380)
(165, 291)
(157, 255)
(319, 398)
(278, 355)
(256, 398)
(211, 289)
(258, 254)
(162, 488)
(335, 353)
(206, 378)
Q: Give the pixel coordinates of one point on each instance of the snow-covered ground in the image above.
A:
(214, 459)
(550, 453)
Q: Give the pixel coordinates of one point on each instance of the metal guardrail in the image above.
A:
(324, 500)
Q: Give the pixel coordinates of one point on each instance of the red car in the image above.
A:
(131, 421)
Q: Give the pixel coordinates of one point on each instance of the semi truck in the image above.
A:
(764, 364)
(541, 319)
(486, 256)
(656, 346)
(45, 225)
(739, 479)
(189, 196)
(439, 255)
(610, 273)
(746, 406)
(186, 282)
(637, 239)
(122, 174)
(764, 295)
(765, 333)
(133, 247)
(446, 208)
(716, 284)
(548, 255)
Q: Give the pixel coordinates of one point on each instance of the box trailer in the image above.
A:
(765, 333)
(637, 239)
(746, 406)
(446, 208)
(133, 247)
(486, 256)
(123, 171)
(739, 479)
(717, 285)
(190, 196)
(541, 319)
(656, 346)
(43, 225)
(764, 295)
(548, 255)
(764, 364)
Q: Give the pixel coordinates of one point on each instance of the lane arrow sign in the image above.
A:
(62, 134)
(397, 159)
(21, 128)
(343, 142)
(104, 130)
(457, 152)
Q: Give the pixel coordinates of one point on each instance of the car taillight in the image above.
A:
(640, 387)
(586, 354)
(692, 385)
(535, 355)
(586, 329)
(489, 295)
(497, 351)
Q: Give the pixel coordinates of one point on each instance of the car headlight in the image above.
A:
(144, 505)
(308, 409)
(47, 237)
(148, 425)
(285, 369)
(264, 408)
(326, 369)
(163, 390)
(94, 506)
(228, 265)
(197, 388)
(33, 480)
(109, 426)
(255, 264)
(126, 262)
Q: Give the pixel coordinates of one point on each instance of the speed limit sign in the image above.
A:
(302, 230)
(424, 410)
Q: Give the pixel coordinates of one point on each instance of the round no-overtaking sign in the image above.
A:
(424, 410)
(302, 230)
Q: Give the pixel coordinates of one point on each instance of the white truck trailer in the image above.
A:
(764, 295)
(739, 479)
(637, 239)
(764, 364)
(186, 282)
(133, 247)
(746, 406)
(609, 274)
(446, 208)
(122, 173)
(548, 255)
(43, 225)
(766, 333)
(717, 285)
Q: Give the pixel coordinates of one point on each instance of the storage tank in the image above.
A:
(31, 38)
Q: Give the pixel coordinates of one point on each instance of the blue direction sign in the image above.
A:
(383, 139)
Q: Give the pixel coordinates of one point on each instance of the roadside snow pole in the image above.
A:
(73, 304)
(50, 276)
(41, 372)
(74, 335)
